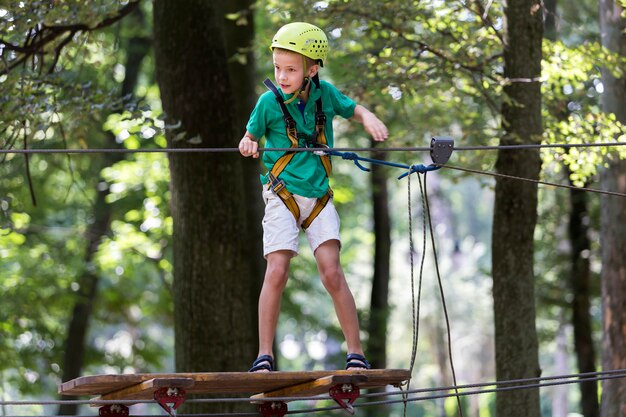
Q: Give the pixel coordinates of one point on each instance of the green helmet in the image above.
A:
(303, 38)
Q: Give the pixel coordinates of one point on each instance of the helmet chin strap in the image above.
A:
(303, 87)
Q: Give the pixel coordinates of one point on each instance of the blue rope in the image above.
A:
(351, 156)
(420, 169)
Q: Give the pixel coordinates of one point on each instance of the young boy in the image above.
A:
(295, 190)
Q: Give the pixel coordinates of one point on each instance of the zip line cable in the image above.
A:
(352, 149)
(551, 184)
(539, 146)
(346, 153)
(507, 385)
(466, 393)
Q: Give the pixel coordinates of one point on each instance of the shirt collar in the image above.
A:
(314, 94)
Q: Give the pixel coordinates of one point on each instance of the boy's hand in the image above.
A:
(375, 127)
(249, 147)
(371, 123)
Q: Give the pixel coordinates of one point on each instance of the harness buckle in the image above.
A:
(276, 184)
(290, 123)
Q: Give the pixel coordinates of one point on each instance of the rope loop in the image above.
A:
(351, 156)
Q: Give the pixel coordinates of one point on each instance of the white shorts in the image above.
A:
(280, 231)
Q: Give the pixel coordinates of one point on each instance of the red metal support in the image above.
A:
(113, 410)
(165, 396)
(345, 395)
(273, 409)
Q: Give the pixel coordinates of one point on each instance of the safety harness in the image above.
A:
(318, 139)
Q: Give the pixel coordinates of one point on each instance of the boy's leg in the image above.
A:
(276, 275)
(334, 280)
(280, 244)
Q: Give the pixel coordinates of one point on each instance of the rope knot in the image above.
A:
(420, 169)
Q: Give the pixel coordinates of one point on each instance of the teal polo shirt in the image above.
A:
(305, 174)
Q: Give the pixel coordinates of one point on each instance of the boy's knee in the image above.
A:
(332, 277)
(277, 274)
(330, 271)
(277, 271)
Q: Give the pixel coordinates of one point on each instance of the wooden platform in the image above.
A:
(141, 386)
(343, 386)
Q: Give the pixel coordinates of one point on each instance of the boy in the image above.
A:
(296, 191)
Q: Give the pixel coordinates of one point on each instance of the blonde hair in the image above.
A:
(309, 62)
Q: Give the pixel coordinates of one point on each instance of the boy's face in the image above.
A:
(289, 70)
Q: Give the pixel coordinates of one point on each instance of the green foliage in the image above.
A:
(43, 246)
(136, 264)
(42, 257)
(51, 71)
(36, 279)
(572, 113)
(424, 67)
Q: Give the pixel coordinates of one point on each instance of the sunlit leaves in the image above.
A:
(33, 287)
(571, 91)
(584, 163)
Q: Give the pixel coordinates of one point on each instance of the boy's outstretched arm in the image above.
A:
(249, 146)
(371, 123)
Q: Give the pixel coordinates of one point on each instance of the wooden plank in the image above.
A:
(315, 387)
(146, 389)
(227, 382)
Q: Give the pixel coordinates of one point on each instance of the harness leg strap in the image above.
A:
(317, 209)
(278, 187)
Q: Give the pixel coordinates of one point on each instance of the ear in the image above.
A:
(313, 69)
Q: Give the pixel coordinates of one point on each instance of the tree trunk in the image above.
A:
(241, 66)
(613, 227)
(214, 327)
(580, 273)
(75, 343)
(580, 281)
(379, 301)
(613, 280)
(612, 27)
(515, 211)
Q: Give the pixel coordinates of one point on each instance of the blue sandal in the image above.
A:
(263, 362)
(356, 361)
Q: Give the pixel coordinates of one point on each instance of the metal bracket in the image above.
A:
(273, 409)
(345, 395)
(165, 396)
(113, 410)
(440, 149)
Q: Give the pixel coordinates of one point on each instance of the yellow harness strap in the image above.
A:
(317, 209)
(278, 187)
(320, 125)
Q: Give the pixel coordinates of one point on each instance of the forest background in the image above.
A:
(144, 261)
